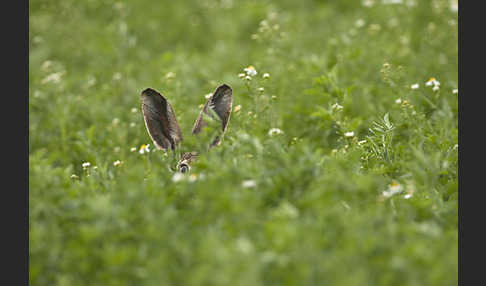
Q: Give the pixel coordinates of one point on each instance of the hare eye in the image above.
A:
(184, 168)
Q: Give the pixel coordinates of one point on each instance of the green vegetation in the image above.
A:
(359, 188)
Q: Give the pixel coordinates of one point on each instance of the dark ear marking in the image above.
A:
(160, 120)
(218, 105)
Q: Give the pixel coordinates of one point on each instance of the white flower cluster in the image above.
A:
(251, 71)
(433, 82)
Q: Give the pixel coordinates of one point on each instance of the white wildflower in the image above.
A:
(134, 110)
(248, 184)
(360, 23)
(274, 131)
(394, 189)
(250, 70)
(414, 86)
(261, 89)
(411, 3)
(207, 96)
(144, 149)
(170, 75)
(368, 3)
(361, 142)
(349, 134)
(392, 2)
(86, 165)
(455, 91)
(398, 101)
(237, 108)
(454, 7)
(117, 163)
(53, 77)
(248, 77)
(266, 75)
(241, 75)
(432, 81)
(74, 176)
(337, 106)
(133, 149)
(407, 196)
(435, 88)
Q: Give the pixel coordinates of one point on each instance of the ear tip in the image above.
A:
(225, 86)
(149, 91)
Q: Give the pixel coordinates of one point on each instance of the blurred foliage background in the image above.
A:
(339, 167)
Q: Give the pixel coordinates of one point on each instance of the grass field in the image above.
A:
(339, 167)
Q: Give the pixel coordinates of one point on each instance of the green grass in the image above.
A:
(317, 215)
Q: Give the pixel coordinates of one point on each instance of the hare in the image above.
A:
(163, 129)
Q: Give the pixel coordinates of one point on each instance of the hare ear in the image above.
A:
(160, 120)
(217, 107)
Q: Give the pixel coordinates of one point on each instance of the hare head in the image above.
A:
(163, 129)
